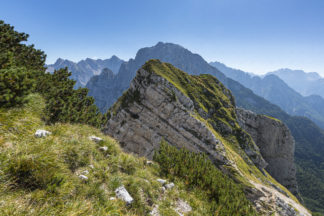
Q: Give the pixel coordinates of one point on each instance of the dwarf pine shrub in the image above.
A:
(197, 170)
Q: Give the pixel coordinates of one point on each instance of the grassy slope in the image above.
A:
(39, 175)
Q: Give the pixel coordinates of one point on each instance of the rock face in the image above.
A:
(141, 126)
(153, 109)
(276, 144)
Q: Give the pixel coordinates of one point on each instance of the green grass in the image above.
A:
(39, 176)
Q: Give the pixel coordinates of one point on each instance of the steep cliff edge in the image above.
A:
(198, 113)
(276, 145)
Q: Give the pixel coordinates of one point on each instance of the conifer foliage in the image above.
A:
(22, 71)
(15, 85)
(197, 170)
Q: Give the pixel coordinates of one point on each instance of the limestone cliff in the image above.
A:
(276, 145)
(197, 113)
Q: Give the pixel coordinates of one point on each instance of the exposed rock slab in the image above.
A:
(276, 145)
(140, 127)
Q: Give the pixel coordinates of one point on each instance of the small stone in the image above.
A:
(42, 133)
(123, 194)
(148, 162)
(182, 207)
(85, 172)
(91, 166)
(169, 186)
(155, 211)
(103, 148)
(163, 189)
(162, 181)
(95, 139)
(112, 198)
(83, 177)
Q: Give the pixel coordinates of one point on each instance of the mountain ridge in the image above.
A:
(306, 83)
(84, 69)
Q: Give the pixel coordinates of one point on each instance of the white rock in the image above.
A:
(148, 162)
(85, 172)
(95, 139)
(182, 207)
(169, 186)
(42, 133)
(91, 166)
(112, 198)
(83, 177)
(123, 194)
(155, 211)
(163, 189)
(103, 148)
(162, 181)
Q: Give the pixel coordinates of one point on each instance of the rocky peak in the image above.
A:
(179, 108)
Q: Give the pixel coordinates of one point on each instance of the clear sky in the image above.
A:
(254, 35)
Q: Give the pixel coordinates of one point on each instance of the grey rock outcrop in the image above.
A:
(140, 127)
(276, 145)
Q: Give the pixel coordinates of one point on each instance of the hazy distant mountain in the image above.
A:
(275, 90)
(83, 70)
(304, 83)
(102, 88)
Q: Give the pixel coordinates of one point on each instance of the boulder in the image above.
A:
(169, 186)
(83, 177)
(42, 133)
(122, 193)
(95, 139)
(162, 181)
(103, 148)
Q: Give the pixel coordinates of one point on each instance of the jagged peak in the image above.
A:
(115, 58)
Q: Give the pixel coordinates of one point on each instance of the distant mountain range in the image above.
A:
(275, 90)
(83, 70)
(305, 83)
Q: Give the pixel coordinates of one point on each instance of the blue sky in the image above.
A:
(254, 35)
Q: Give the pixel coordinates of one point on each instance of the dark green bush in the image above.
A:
(197, 170)
(15, 85)
(66, 104)
(34, 171)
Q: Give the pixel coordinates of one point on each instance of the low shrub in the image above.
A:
(197, 170)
